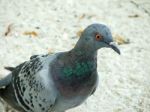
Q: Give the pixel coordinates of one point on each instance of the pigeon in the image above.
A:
(59, 81)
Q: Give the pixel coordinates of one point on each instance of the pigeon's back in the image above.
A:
(31, 87)
(7, 90)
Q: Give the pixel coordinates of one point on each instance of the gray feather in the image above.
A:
(6, 80)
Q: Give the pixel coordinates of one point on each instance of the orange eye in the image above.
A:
(98, 37)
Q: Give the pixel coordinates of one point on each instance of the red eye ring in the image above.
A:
(98, 37)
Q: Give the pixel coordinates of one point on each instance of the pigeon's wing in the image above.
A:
(6, 80)
(13, 68)
(7, 90)
(32, 84)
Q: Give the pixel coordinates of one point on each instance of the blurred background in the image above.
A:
(29, 27)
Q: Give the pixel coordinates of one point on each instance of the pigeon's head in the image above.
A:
(98, 36)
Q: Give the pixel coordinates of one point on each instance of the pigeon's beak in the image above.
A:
(114, 47)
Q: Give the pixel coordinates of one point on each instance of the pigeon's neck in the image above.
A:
(82, 54)
(79, 62)
(84, 50)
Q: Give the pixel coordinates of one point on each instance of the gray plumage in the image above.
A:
(57, 82)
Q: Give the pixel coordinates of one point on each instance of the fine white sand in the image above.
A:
(124, 81)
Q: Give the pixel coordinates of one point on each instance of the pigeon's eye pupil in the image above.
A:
(98, 37)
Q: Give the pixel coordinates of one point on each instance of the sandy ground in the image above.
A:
(40, 26)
